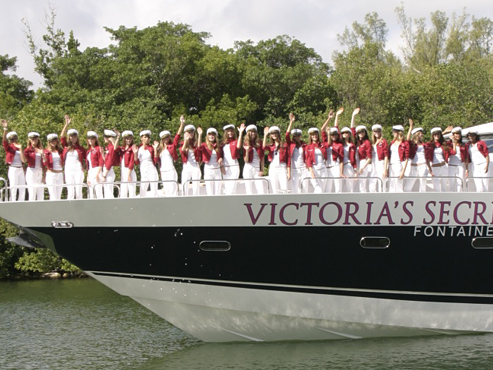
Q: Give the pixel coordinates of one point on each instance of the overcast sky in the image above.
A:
(314, 22)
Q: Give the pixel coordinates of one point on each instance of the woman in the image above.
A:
(35, 168)
(349, 160)
(190, 155)
(254, 160)
(126, 157)
(364, 149)
(457, 161)
(438, 153)
(14, 157)
(398, 159)
(53, 161)
(335, 158)
(166, 153)
(212, 156)
(478, 161)
(316, 154)
(74, 159)
(420, 166)
(380, 159)
(296, 156)
(231, 152)
(277, 154)
(95, 162)
(111, 160)
(146, 158)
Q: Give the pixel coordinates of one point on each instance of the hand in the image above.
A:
(199, 130)
(182, 119)
(343, 176)
(129, 178)
(17, 145)
(155, 145)
(5, 124)
(339, 111)
(135, 149)
(401, 176)
(331, 114)
(117, 132)
(289, 176)
(68, 120)
(486, 169)
(385, 174)
(242, 127)
(292, 117)
(261, 174)
(220, 162)
(411, 123)
(356, 112)
(266, 131)
(432, 174)
(40, 151)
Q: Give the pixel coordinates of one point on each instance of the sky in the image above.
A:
(316, 23)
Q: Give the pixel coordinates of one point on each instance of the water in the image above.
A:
(80, 324)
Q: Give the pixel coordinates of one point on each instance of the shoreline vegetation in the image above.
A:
(147, 78)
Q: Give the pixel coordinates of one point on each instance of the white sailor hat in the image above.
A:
(473, 132)
(311, 130)
(456, 129)
(33, 134)
(230, 126)
(361, 128)
(92, 134)
(397, 128)
(251, 127)
(11, 134)
(72, 131)
(145, 132)
(211, 130)
(274, 129)
(296, 131)
(110, 133)
(51, 137)
(334, 130)
(164, 133)
(435, 129)
(345, 129)
(376, 127)
(417, 129)
(127, 133)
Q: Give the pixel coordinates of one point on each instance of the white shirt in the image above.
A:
(166, 160)
(475, 155)
(191, 160)
(438, 155)
(419, 158)
(297, 161)
(17, 161)
(213, 161)
(227, 157)
(144, 157)
(319, 158)
(72, 160)
(255, 160)
(394, 154)
(57, 161)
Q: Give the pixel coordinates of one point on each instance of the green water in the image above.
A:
(80, 324)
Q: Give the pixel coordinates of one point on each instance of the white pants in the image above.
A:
(419, 172)
(108, 186)
(190, 172)
(334, 182)
(148, 173)
(34, 181)
(318, 183)
(170, 188)
(212, 173)
(377, 171)
(250, 172)
(95, 190)
(396, 185)
(54, 181)
(456, 171)
(74, 176)
(16, 178)
(480, 179)
(440, 185)
(297, 175)
(363, 181)
(348, 171)
(127, 188)
(231, 173)
(278, 176)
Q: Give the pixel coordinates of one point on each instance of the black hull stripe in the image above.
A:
(401, 296)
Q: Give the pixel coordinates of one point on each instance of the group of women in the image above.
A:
(333, 160)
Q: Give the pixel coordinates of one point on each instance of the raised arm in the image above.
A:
(326, 123)
(241, 130)
(292, 118)
(411, 125)
(5, 125)
(266, 133)
(182, 124)
(353, 117)
(68, 120)
(338, 113)
(199, 131)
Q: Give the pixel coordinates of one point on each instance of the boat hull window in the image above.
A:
(482, 243)
(374, 242)
(215, 246)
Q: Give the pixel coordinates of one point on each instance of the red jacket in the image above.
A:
(235, 152)
(10, 150)
(482, 147)
(111, 159)
(49, 159)
(337, 151)
(364, 149)
(197, 152)
(351, 154)
(382, 150)
(430, 149)
(291, 146)
(150, 149)
(206, 153)
(96, 157)
(283, 152)
(30, 154)
(79, 149)
(127, 156)
(403, 150)
(260, 152)
(310, 153)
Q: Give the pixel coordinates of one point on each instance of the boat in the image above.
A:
(272, 267)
